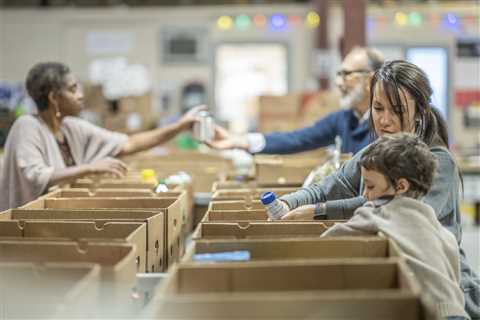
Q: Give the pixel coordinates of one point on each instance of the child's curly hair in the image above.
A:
(402, 155)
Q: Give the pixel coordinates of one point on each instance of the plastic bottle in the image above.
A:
(149, 175)
(161, 187)
(179, 178)
(275, 208)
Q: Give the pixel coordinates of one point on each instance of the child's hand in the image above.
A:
(301, 213)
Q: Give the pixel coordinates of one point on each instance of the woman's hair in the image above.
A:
(44, 78)
(398, 75)
(402, 155)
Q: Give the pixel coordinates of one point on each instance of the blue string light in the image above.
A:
(450, 21)
(278, 22)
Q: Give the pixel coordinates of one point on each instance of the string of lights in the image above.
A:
(279, 21)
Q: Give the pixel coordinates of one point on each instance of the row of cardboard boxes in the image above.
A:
(102, 232)
(103, 242)
(291, 272)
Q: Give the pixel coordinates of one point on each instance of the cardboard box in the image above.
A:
(117, 262)
(174, 218)
(141, 160)
(236, 205)
(290, 248)
(155, 222)
(295, 275)
(89, 183)
(256, 230)
(309, 289)
(287, 169)
(275, 169)
(133, 114)
(49, 290)
(112, 193)
(235, 216)
(249, 194)
(316, 106)
(130, 232)
(186, 203)
(204, 169)
(95, 100)
(184, 196)
(228, 185)
(278, 113)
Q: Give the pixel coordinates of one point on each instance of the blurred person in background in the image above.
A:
(57, 147)
(350, 123)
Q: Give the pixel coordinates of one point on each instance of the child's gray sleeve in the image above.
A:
(342, 184)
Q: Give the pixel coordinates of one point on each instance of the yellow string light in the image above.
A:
(225, 22)
(313, 19)
(401, 19)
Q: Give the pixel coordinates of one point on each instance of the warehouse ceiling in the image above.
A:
(139, 3)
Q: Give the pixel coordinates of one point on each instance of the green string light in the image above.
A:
(415, 19)
(243, 21)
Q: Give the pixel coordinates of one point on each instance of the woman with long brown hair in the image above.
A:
(400, 101)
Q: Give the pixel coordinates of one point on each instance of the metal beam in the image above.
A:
(354, 17)
(321, 36)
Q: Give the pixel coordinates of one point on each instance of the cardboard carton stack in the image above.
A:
(128, 114)
(123, 231)
(295, 111)
(204, 169)
(287, 170)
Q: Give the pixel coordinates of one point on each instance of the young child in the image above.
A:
(397, 170)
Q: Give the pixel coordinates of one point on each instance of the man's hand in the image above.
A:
(301, 213)
(223, 140)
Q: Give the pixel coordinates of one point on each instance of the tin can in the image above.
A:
(203, 130)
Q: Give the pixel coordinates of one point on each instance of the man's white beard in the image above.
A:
(353, 98)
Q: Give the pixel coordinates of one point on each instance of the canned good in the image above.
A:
(203, 130)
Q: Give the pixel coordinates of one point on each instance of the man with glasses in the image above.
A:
(350, 123)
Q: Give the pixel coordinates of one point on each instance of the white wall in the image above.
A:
(32, 35)
(29, 36)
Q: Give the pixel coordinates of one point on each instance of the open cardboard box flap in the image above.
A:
(297, 248)
(131, 232)
(260, 229)
(343, 289)
(154, 220)
(175, 216)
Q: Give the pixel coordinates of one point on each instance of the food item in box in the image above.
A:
(241, 255)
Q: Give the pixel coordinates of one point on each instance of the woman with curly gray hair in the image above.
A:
(56, 147)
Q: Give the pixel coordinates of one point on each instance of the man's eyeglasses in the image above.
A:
(346, 73)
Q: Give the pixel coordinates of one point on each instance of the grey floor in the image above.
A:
(471, 245)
